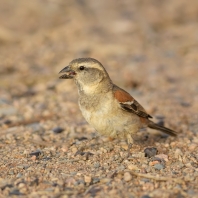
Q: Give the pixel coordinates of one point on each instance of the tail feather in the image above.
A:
(153, 125)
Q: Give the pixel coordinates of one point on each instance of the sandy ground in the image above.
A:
(47, 149)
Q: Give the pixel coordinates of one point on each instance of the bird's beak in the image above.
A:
(69, 73)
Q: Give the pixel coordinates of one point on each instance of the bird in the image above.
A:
(109, 109)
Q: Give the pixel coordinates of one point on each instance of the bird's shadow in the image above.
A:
(145, 138)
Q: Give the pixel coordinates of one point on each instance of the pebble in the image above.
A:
(152, 163)
(7, 111)
(137, 155)
(96, 165)
(178, 153)
(82, 138)
(35, 127)
(127, 176)
(192, 146)
(15, 192)
(178, 165)
(19, 175)
(132, 167)
(64, 149)
(20, 166)
(96, 180)
(7, 122)
(33, 158)
(87, 179)
(21, 185)
(150, 152)
(74, 149)
(37, 138)
(124, 146)
(120, 168)
(11, 172)
(159, 166)
(145, 196)
(188, 165)
(57, 130)
(162, 156)
(105, 180)
(35, 153)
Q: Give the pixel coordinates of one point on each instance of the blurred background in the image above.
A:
(148, 47)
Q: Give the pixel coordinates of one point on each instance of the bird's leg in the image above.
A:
(130, 143)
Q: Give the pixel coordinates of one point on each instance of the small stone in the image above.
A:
(145, 196)
(105, 165)
(33, 158)
(96, 165)
(7, 111)
(57, 130)
(57, 190)
(74, 149)
(145, 180)
(35, 153)
(195, 139)
(132, 167)
(150, 152)
(20, 166)
(93, 191)
(137, 155)
(120, 168)
(103, 150)
(11, 172)
(64, 149)
(188, 165)
(162, 156)
(65, 196)
(127, 176)
(7, 122)
(96, 180)
(19, 175)
(35, 127)
(82, 138)
(15, 192)
(152, 163)
(105, 180)
(159, 166)
(87, 179)
(21, 185)
(79, 174)
(125, 147)
(178, 153)
(192, 146)
(157, 159)
(73, 173)
(37, 138)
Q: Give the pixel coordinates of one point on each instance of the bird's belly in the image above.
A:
(110, 124)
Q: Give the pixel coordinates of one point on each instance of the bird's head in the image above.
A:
(87, 72)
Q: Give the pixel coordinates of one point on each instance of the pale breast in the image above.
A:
(107, 117)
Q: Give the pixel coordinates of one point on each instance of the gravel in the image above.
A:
(46, 147)
(57, 130)
(150, 152)
(159, 166)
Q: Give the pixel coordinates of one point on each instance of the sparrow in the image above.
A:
(109, 109)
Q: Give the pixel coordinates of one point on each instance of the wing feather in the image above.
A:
(128, 103)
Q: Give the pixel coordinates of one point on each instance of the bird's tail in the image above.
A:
(155, 126)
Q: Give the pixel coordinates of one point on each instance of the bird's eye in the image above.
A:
(81, 67)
